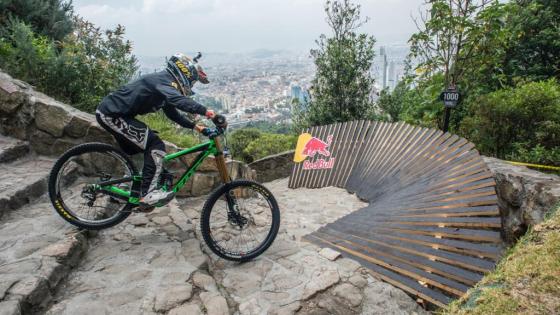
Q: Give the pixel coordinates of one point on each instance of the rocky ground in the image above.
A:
(155, 263)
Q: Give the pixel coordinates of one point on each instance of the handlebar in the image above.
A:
(221, 126)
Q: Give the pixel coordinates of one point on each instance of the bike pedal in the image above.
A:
(145, 208)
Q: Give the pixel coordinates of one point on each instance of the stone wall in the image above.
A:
(524, 196)
(274, 166)
(52, 127)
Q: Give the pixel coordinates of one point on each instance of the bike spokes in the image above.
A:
(241, 221)
(79, 190)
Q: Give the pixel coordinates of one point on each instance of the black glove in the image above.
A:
(209, 132)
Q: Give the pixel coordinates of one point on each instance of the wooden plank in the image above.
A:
(392, 277)
(296, 170)
(349, 149)
(323, 136)
(462, 247)
(305, 173)
(459, 260)
(442, 269)
(363, 131)
(398, 266)
(327, 175)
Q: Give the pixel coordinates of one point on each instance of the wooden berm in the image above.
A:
(432, 226)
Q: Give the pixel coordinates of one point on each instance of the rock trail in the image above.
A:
(156, 263)
(37, 248)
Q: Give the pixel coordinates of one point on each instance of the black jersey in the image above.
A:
(149, 94)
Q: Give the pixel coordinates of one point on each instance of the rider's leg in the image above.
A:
(153, 166)
(131, 134)
(134, 137)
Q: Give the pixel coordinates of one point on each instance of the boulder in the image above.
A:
(11, 96)
(51, 116)
(524, 196)
(79, 124)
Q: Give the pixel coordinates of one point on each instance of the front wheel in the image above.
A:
(240, 220)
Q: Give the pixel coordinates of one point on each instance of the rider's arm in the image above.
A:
(174, 98)
(173, 114)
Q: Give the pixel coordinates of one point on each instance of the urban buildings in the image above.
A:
(262, 86)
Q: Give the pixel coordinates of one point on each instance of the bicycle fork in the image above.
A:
(234, 216)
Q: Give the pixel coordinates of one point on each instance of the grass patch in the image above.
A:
(527, 279)
(170, 131)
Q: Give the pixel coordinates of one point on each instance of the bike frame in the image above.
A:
(211, 147)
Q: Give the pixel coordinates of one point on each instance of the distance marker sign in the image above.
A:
(450, 98)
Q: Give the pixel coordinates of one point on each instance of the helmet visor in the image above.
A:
(202, 77)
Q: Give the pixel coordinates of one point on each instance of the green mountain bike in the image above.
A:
(96, 186)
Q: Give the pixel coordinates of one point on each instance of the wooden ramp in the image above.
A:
(432, 224)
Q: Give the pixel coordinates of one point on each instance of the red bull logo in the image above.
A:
(308, 147)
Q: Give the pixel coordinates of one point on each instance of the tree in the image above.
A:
(393, 103)
(534, 30)
(521, 123)
(51, 18)
(448, 35)
(343, 83)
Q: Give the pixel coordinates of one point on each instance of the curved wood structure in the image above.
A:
(432, 224)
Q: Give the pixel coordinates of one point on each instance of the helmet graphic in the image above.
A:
(186, 71)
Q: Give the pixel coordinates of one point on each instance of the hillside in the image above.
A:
(527, 281)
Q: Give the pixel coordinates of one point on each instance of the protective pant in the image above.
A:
(134, 137)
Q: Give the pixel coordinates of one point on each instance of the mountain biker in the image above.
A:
(168, 90)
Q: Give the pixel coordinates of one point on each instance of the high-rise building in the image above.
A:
(383, 54)
(295, 91)
(392, 77)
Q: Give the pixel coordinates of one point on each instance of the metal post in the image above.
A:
(446, 119)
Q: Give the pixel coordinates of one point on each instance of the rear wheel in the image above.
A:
(73, 188)
(240, 220)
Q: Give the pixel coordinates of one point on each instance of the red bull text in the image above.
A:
(319, 164)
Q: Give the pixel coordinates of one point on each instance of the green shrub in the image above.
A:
(536, 155)
(521, 123)
(169, 131)
(50, 18)
(269, 144)
(80, 70)
(239, 140)
(249, 144)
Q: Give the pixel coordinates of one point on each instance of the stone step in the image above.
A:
(12, 149)
(145, 265)
(37, 250)
(22, 181)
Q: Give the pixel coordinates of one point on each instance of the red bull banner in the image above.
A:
(324, 155)
(308, 147)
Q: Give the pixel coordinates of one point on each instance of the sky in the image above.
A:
(163, 27)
